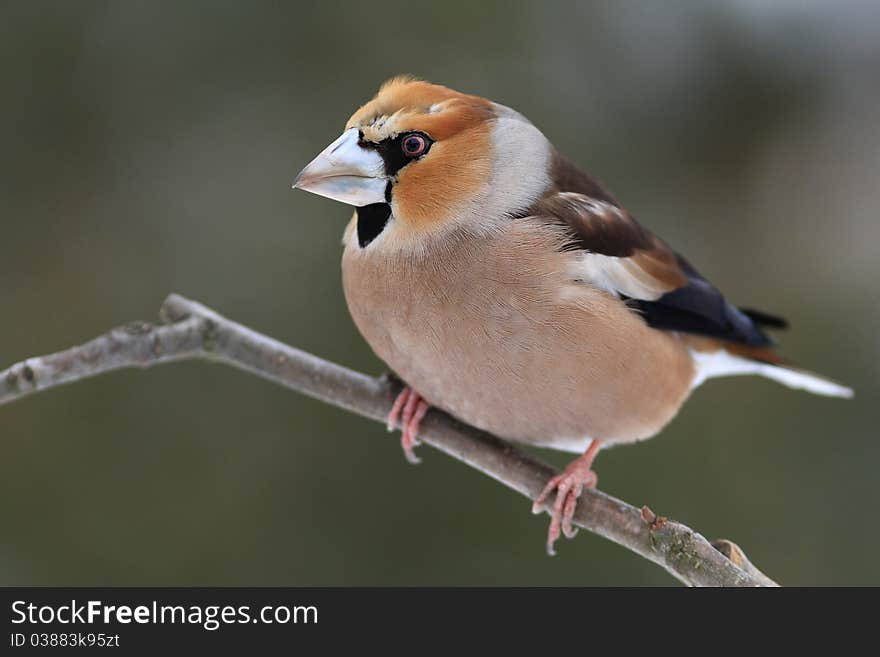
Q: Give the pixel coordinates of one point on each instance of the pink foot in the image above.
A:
(413, 408)
(568, 485)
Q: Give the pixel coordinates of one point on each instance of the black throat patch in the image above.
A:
(371, 221)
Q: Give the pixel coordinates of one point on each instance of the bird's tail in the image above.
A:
(715, 358)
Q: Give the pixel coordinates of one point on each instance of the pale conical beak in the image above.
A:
(346, 171)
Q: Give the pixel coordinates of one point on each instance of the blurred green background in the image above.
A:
(149, 147)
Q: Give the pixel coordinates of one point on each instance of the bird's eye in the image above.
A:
(414, 145)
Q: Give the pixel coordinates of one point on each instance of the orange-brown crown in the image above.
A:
(405, 103)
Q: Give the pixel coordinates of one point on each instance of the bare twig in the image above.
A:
(189, 330)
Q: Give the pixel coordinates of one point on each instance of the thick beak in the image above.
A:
(347, 172)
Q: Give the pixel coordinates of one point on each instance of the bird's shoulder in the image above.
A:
(614, 252)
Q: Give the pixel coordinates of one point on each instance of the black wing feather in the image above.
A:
(699, 307)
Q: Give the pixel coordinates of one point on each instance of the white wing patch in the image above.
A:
(618, 276)
(611, 273)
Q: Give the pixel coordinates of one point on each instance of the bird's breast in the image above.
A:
(493, 330)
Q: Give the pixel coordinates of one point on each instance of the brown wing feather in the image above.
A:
(614, 245)
(626, 259)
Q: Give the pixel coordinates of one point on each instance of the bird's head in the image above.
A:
(420, 159)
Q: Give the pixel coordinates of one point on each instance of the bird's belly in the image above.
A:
(523, 363)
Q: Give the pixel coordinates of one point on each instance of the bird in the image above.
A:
(507, 287)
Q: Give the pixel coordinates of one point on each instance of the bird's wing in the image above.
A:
(617, 254)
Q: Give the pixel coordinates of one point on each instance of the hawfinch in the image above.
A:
(507, 287)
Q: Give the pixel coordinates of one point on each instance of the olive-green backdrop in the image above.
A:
(149, 147)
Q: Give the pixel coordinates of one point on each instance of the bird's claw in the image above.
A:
(568, 486)
(408, 410)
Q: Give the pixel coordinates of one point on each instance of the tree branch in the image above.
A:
(189, 330)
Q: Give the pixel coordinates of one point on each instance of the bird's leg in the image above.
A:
(568, 485)
(410, 405)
